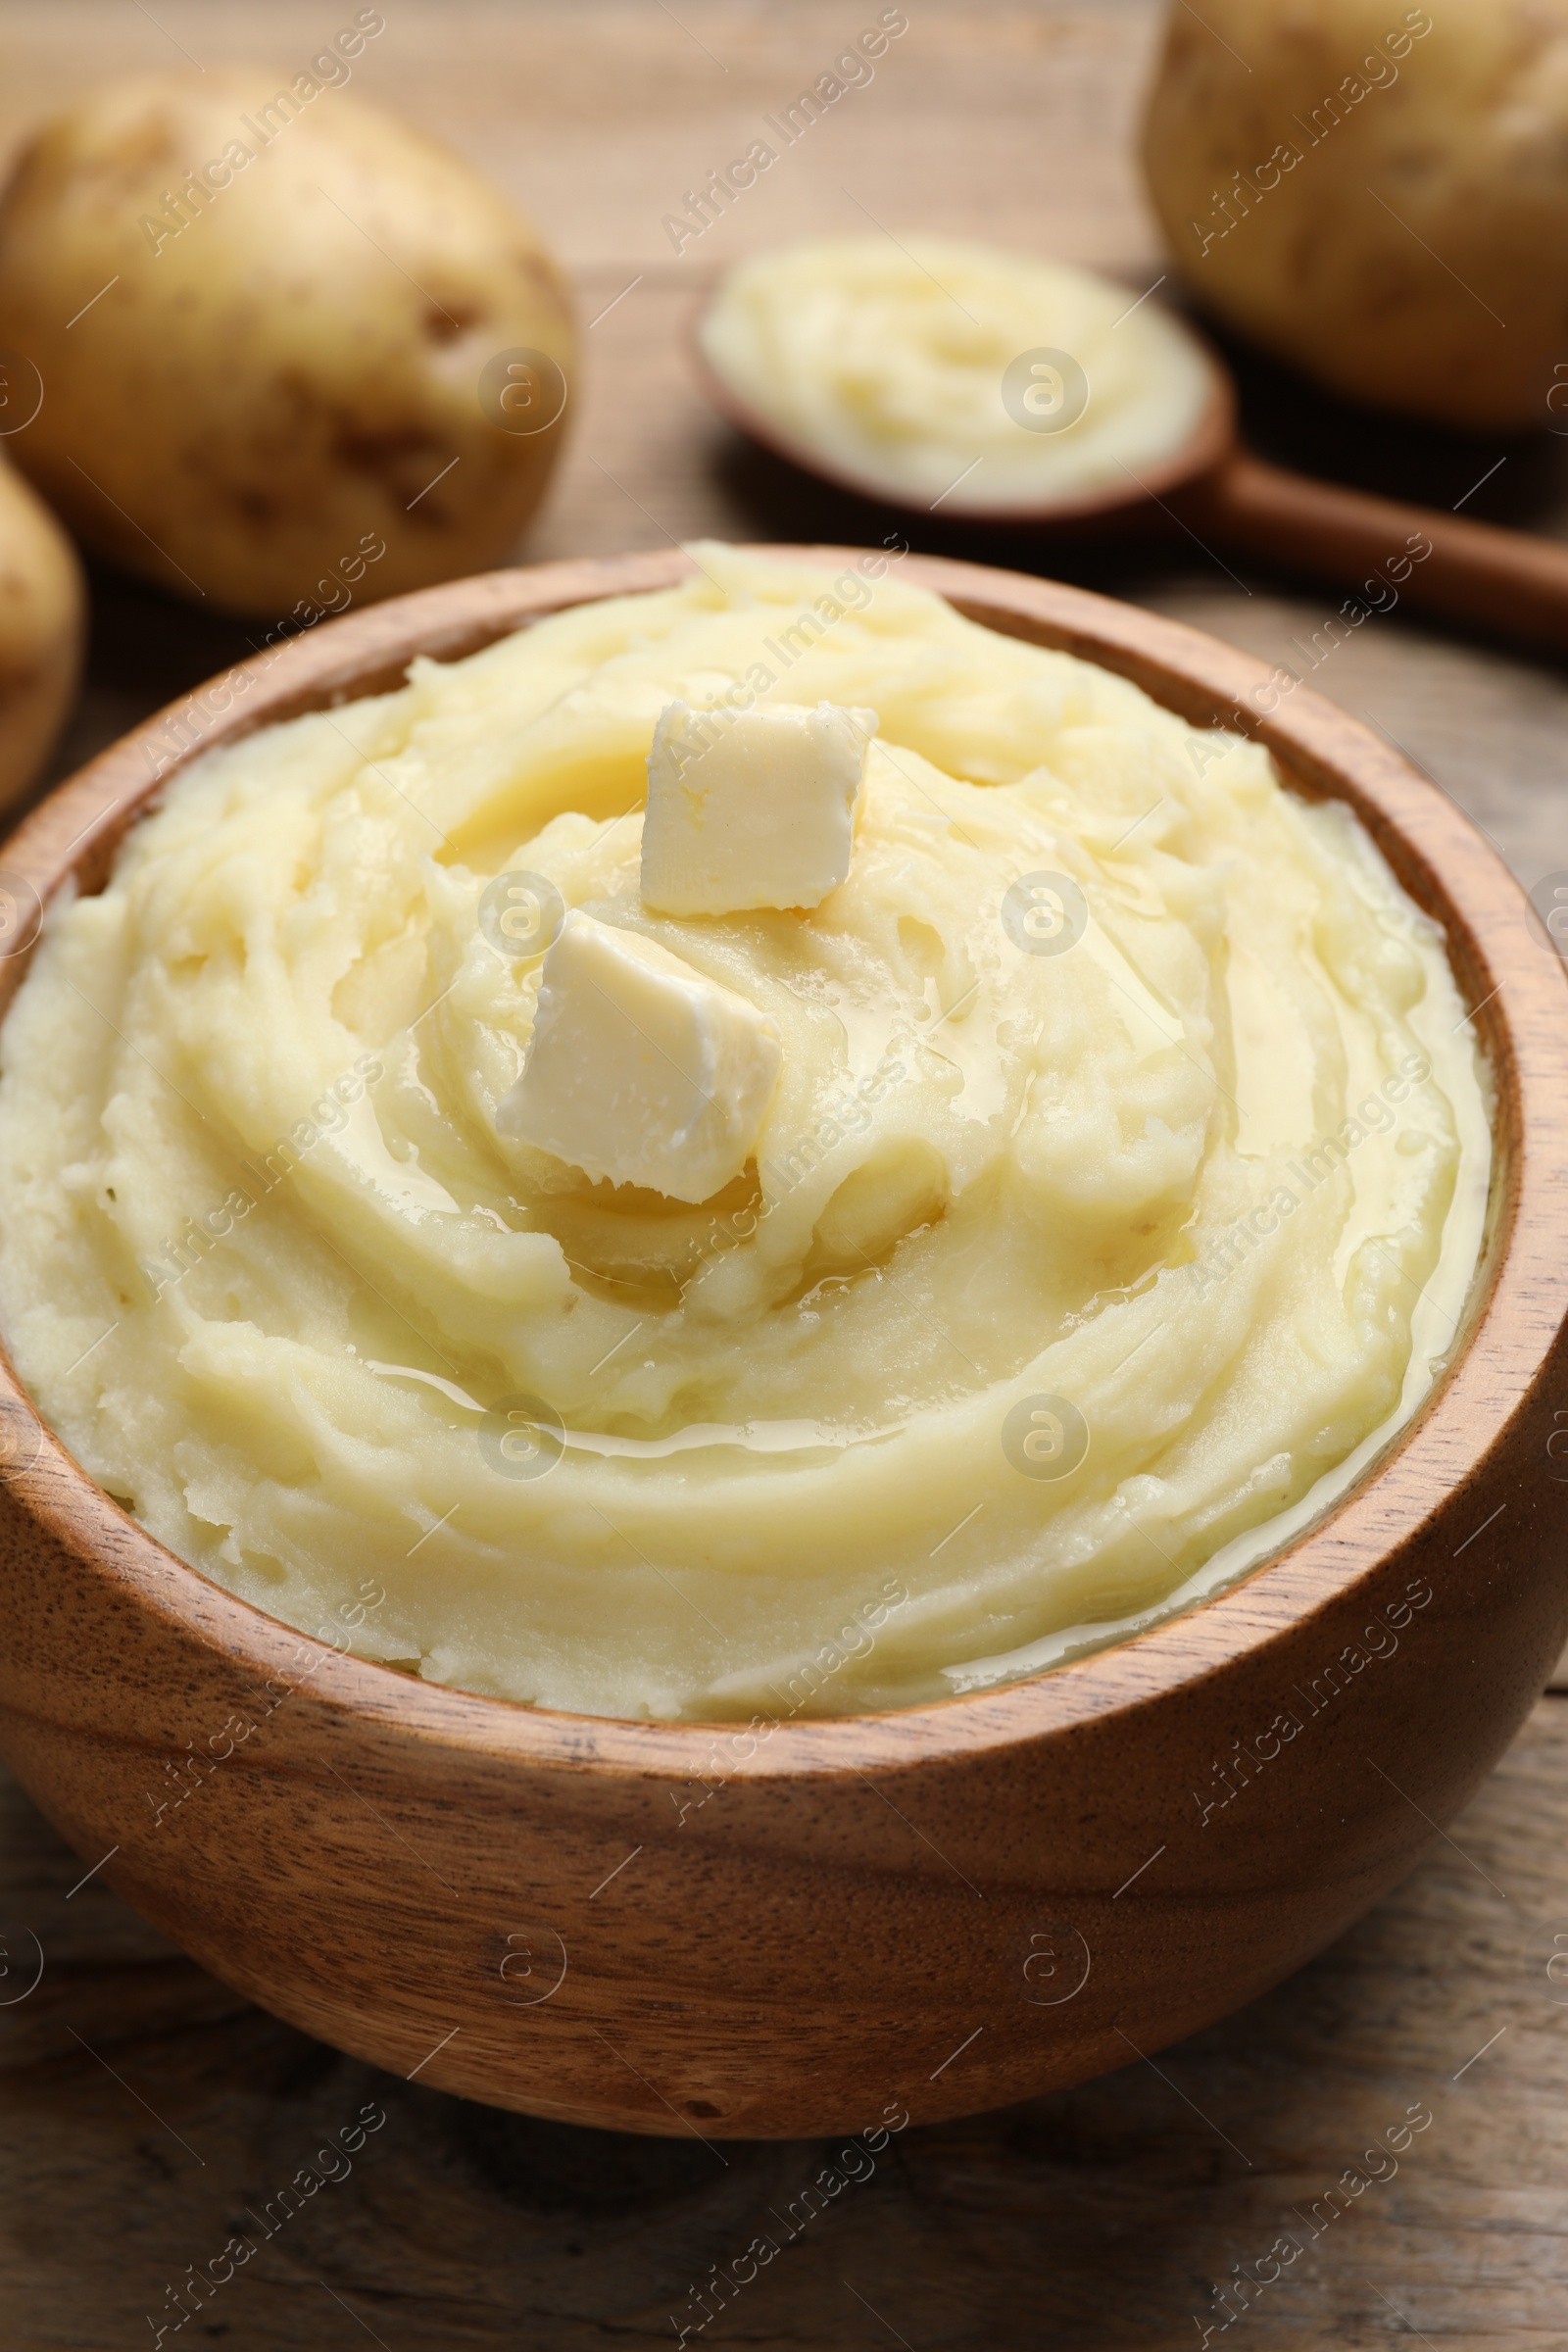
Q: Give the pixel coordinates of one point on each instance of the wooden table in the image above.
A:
(145, 2110)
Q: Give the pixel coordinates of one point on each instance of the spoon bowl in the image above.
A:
(1497, 580)
(1210, 443)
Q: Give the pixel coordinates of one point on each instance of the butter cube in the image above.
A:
(751, 808)
(640, 1068)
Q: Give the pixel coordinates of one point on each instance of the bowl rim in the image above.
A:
(1518, 1308)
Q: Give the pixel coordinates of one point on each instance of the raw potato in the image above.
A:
(41, 610)
(258, 395)
(1456, 122)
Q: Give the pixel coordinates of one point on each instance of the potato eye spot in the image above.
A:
(445, 323)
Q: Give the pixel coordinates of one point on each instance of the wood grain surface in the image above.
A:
(143, 2109)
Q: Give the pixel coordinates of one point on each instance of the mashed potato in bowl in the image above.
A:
(1117, 1198)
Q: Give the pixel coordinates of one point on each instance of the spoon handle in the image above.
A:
(1372, 547)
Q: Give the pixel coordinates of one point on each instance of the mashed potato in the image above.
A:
(1121, 1192)
(935, 371)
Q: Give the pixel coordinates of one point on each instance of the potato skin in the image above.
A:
(279, 371)
(42, 613)
(1461, 130)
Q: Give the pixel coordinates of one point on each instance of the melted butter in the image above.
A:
(402, 1184)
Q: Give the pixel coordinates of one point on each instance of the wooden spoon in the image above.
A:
(1501, 579)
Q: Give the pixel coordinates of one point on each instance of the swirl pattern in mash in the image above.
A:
(1121, 1192)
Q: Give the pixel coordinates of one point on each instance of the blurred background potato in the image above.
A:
(262, 315)
(1376, 193)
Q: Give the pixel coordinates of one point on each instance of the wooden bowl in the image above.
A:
(826, 1924)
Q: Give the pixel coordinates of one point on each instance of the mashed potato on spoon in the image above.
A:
(932, 370)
